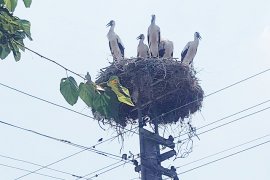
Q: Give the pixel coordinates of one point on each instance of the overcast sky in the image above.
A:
(235, 45)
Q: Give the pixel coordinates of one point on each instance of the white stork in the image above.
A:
(116, 46)
(190, 50)
(153, 37)
(142, 49)
(165, 49)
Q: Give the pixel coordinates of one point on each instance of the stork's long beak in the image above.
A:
(109, 24)
(139, 37)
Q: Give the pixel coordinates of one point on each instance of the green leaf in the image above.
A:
(105, 103)
(11, 4)
(21, 47)
(121, 92)
(15, 49)
(27, 3)
(26, 25)
(17, 55)
(69, 89)
(87, 93)
(4, 51)
(125, 98)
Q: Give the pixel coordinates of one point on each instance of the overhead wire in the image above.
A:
(50, 60)
(226, 117)
(28, 162)
(232, 121)
(107, 170)
(67, 142)
(21, 169)
(96, 175)
(57, 105)
(237, 119)
(227, 156)
(224, 157)
(44, 100)
(220, 152)
(98, 170)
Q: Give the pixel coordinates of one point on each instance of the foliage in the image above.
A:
(12, 4)
(13, 30)
(106, 100)
(121, 92)
(69, 89)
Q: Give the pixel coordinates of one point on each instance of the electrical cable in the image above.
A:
(235, 120)
(28, 162)
(226, 117)
(98, 170)
(248, 115)
(238, 152)
(57, 105)
(48, 59)
(13, 167)
(66, 141)
(228, 149)
(108, 170)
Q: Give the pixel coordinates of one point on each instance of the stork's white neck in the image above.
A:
(141, 41)
(153, 20)
(196, 39)
(112, 28)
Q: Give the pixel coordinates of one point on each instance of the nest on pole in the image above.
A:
(167, 89)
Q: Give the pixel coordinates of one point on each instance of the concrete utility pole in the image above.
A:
(151, 158)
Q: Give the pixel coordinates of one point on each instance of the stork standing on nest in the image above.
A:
(153, 37)
(116, 46)
(165, 49)
(190, 50)
(142, 49)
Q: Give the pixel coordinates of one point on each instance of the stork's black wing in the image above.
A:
(161, 52)
(184, 52)
(121, 47)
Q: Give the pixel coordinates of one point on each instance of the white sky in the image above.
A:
(235, 45)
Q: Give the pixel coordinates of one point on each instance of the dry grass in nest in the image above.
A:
(167, 89)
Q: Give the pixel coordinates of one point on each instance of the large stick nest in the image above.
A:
(166, 88)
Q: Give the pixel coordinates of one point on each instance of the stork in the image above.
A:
(190, 50)
(165, 49)
(142, 49)
(116, 46)
(153, 37)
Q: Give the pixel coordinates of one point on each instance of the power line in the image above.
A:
(13, 167)
(51, 60)
(226, 117)
(238, 152)
(96, 175)
(99, 170)
(234, 147)
(66, 141)
(57, 105)
(31, 172)
(44, 100)
(256, 112)
(108, 170)
(28, 162)
(235, 120)
(215, 92)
